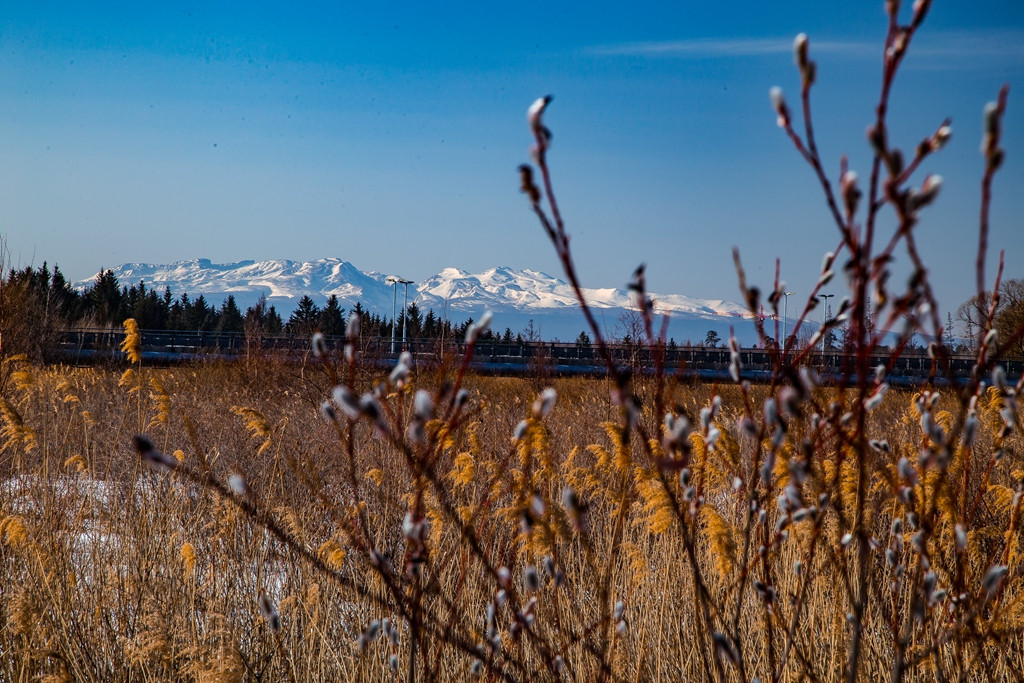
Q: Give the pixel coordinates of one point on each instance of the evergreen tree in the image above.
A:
(202, 315)
(176, 313)
(431, 329)
(414, 321)
(360, 313)
(305, 317)
(135, 294)
(332, 319)
(56, 300)
(35, 306)
(230, 318)
(147, 308)
(256, 316)
(62, 297)
(372, 325)
(273, 322)
(106, 298)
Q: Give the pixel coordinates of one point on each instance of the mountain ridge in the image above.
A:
(515, 296)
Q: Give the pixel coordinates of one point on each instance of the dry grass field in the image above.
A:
(519, 540)
(327, 521)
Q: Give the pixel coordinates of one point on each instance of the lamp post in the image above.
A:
(785, 320)
(405, 307)
(824, 318)
(393, 281)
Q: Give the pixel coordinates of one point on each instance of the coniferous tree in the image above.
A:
(445, 330)
(201, 316)
(52, 294)
(147, 308)
(61, 296)
(167, 301)
(373, 325)
(256, 316)
(361, 314)
(106, 298)
(230, 318)
(305, 318)
(431, 329)
(273, 322)
(35, 307)
(332, 319)
(135, 293)
(414, 321)
(178, 315)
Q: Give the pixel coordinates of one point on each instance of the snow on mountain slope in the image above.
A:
(515, 295)
(524, 290)
(283, 282)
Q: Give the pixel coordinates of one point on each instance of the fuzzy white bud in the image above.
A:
(993, 578)
(423, 404)
(779, 105)
(536, 111)
(800, 49)
(477, 328)
(238, 485)
(346, 400)
(544, 402)
(317, 344)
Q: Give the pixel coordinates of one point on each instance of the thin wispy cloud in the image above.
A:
(728, 47)
(1003, 45)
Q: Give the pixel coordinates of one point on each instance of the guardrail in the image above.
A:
(170, 346)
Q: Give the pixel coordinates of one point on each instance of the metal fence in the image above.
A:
(175, 346)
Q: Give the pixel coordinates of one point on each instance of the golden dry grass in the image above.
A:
(113, 572)
(311, 522)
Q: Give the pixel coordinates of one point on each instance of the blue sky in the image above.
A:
(388, 134)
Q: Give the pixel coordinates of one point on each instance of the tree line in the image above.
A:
(36, 304)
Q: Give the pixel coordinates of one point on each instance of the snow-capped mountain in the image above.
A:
(282, 282)
(515, 296)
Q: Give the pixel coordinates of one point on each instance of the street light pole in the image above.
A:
(405, 307)
(393, 281)
(824, 319)
(785, 320)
